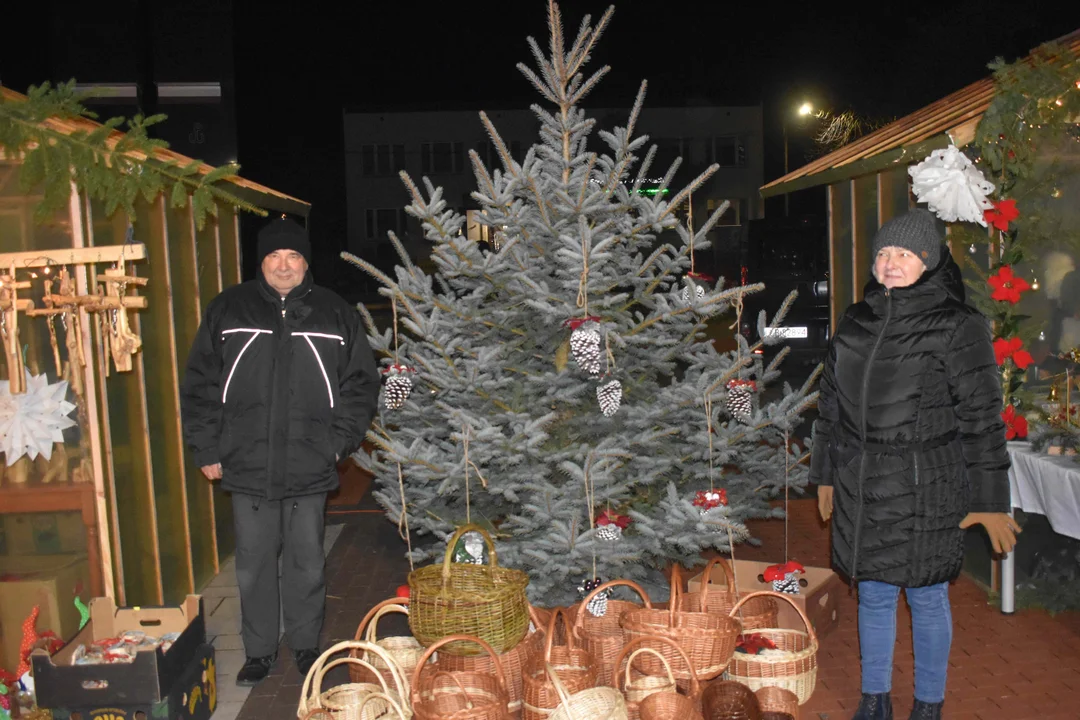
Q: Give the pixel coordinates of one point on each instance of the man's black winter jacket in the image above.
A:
(277, 389)
(910, 433)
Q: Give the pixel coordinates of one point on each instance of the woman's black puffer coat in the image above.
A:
(910, 433)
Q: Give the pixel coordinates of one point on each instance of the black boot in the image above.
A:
(874, 707)
(255, 670)
(926, 711)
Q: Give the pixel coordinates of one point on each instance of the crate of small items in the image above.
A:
(125, 661)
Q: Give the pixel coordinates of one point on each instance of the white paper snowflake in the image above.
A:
(951, 186)
(30, 423)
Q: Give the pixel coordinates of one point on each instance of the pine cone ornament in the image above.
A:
(585, 346)
(698, 284)
(609, 395)
(598, 605)
(609, 533)
(740, 399)
(789, 584)
(609, 525)
(398, 386)
(784, 578)
(698, 290)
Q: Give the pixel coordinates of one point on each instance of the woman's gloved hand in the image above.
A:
(1001, 528)
(824, 501)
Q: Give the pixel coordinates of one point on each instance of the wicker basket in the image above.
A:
(795, 670)
(759, 613)
(604, 636)
(404, 649)
(670, 706)
(574, 664)
(344, 701)
(484, 601)
(512, 661)
(727, 700)
(778, 700)
(396, 708)
(708, 639)
(443, 695)
(598, 703)
(638, 687)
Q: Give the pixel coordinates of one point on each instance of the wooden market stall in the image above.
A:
(111, 309)
(868, 183)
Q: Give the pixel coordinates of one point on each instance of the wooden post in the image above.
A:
(10, 305)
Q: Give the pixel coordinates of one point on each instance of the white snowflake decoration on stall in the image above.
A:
(951, 186)
(31, 422)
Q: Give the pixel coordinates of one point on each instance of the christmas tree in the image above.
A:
(556, 386)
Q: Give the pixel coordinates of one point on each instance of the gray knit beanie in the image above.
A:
(915, 230)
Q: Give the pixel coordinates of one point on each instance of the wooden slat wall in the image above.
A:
(162, 393)
(864, 220)
(229, 247)
(187, 307)
(124, 401)
(841, 282)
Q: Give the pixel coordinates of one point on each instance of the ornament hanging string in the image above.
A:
(404, 521)
(610, 357)
(690, 228)
(787, 506)
(393, 305)
(465, 433)
(590, 498)
(738, 322)
(709, 428)
(583, 283)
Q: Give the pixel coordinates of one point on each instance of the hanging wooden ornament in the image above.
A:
(10, 307)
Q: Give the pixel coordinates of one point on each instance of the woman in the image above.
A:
(910, 446)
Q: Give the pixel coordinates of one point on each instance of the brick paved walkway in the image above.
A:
(1002, 668)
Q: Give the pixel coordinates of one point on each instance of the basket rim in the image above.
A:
(790, 656)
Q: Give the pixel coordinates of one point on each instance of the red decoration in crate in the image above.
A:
(709, 499)
(1007, 287)
(1016, 425)
(754, 643)
(1003, 212)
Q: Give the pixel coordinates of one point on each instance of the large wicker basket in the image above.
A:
(403, 649)
(604, 636)
(443, 695)
(512, 661)
(708, 639)
(795, 669)
(575, 666)
(759, 613)
(484, 601)
(346, 702)
(725, 700)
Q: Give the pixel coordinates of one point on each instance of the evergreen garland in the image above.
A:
(114, 170)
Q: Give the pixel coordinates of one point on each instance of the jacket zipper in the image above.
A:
(865, 409)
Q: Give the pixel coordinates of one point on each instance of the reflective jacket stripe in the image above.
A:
(326, 378)
(322, 335)
(254, 334)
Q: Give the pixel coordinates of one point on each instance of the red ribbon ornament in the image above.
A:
(709, 499)
(779, 572)
(575, 323)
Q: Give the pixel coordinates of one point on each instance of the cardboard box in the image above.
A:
(146, 682)
(819, 599)
(49, 581)
(192, 697)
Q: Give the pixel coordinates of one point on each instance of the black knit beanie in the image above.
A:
(915, 230)
(284, 234)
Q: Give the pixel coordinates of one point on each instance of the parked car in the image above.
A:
(789, 254)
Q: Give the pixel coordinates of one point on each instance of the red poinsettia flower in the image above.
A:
(1016, 425)
(709, 499)
(609, 518)
(1007, 287)
(1003, 212)
(1006, 349)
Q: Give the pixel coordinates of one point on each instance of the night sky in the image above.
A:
(297, 65)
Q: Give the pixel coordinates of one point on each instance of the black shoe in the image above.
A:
(874, 707)
(305, 659)
(255, 670)
(926, 711)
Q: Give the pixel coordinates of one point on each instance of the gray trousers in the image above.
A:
(294, 529)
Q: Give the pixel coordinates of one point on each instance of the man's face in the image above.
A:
(284, 270)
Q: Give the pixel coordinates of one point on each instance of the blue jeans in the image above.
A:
(931, 626)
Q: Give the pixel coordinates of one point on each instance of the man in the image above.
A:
(280, 384)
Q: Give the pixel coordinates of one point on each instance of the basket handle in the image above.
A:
(550, 639)
(785, 597)
(457, 681)
(317, 671)
(706, 575)
(385, 698)
(499, 674)
(630, 661)
(676, 593)
(579, 618)
(457, 536)
(375, 614)
(560, 690)
(695, 686)
(317, 687)
(536, 617)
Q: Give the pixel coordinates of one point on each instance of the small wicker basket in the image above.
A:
(604, 636)
(759, 613)
(574, 664)
(442, 695)
(598, 703)
(725, 700)
(404, 649)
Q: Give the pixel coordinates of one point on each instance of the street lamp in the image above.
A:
(805, 110)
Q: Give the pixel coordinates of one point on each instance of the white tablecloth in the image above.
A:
(1047, 485)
